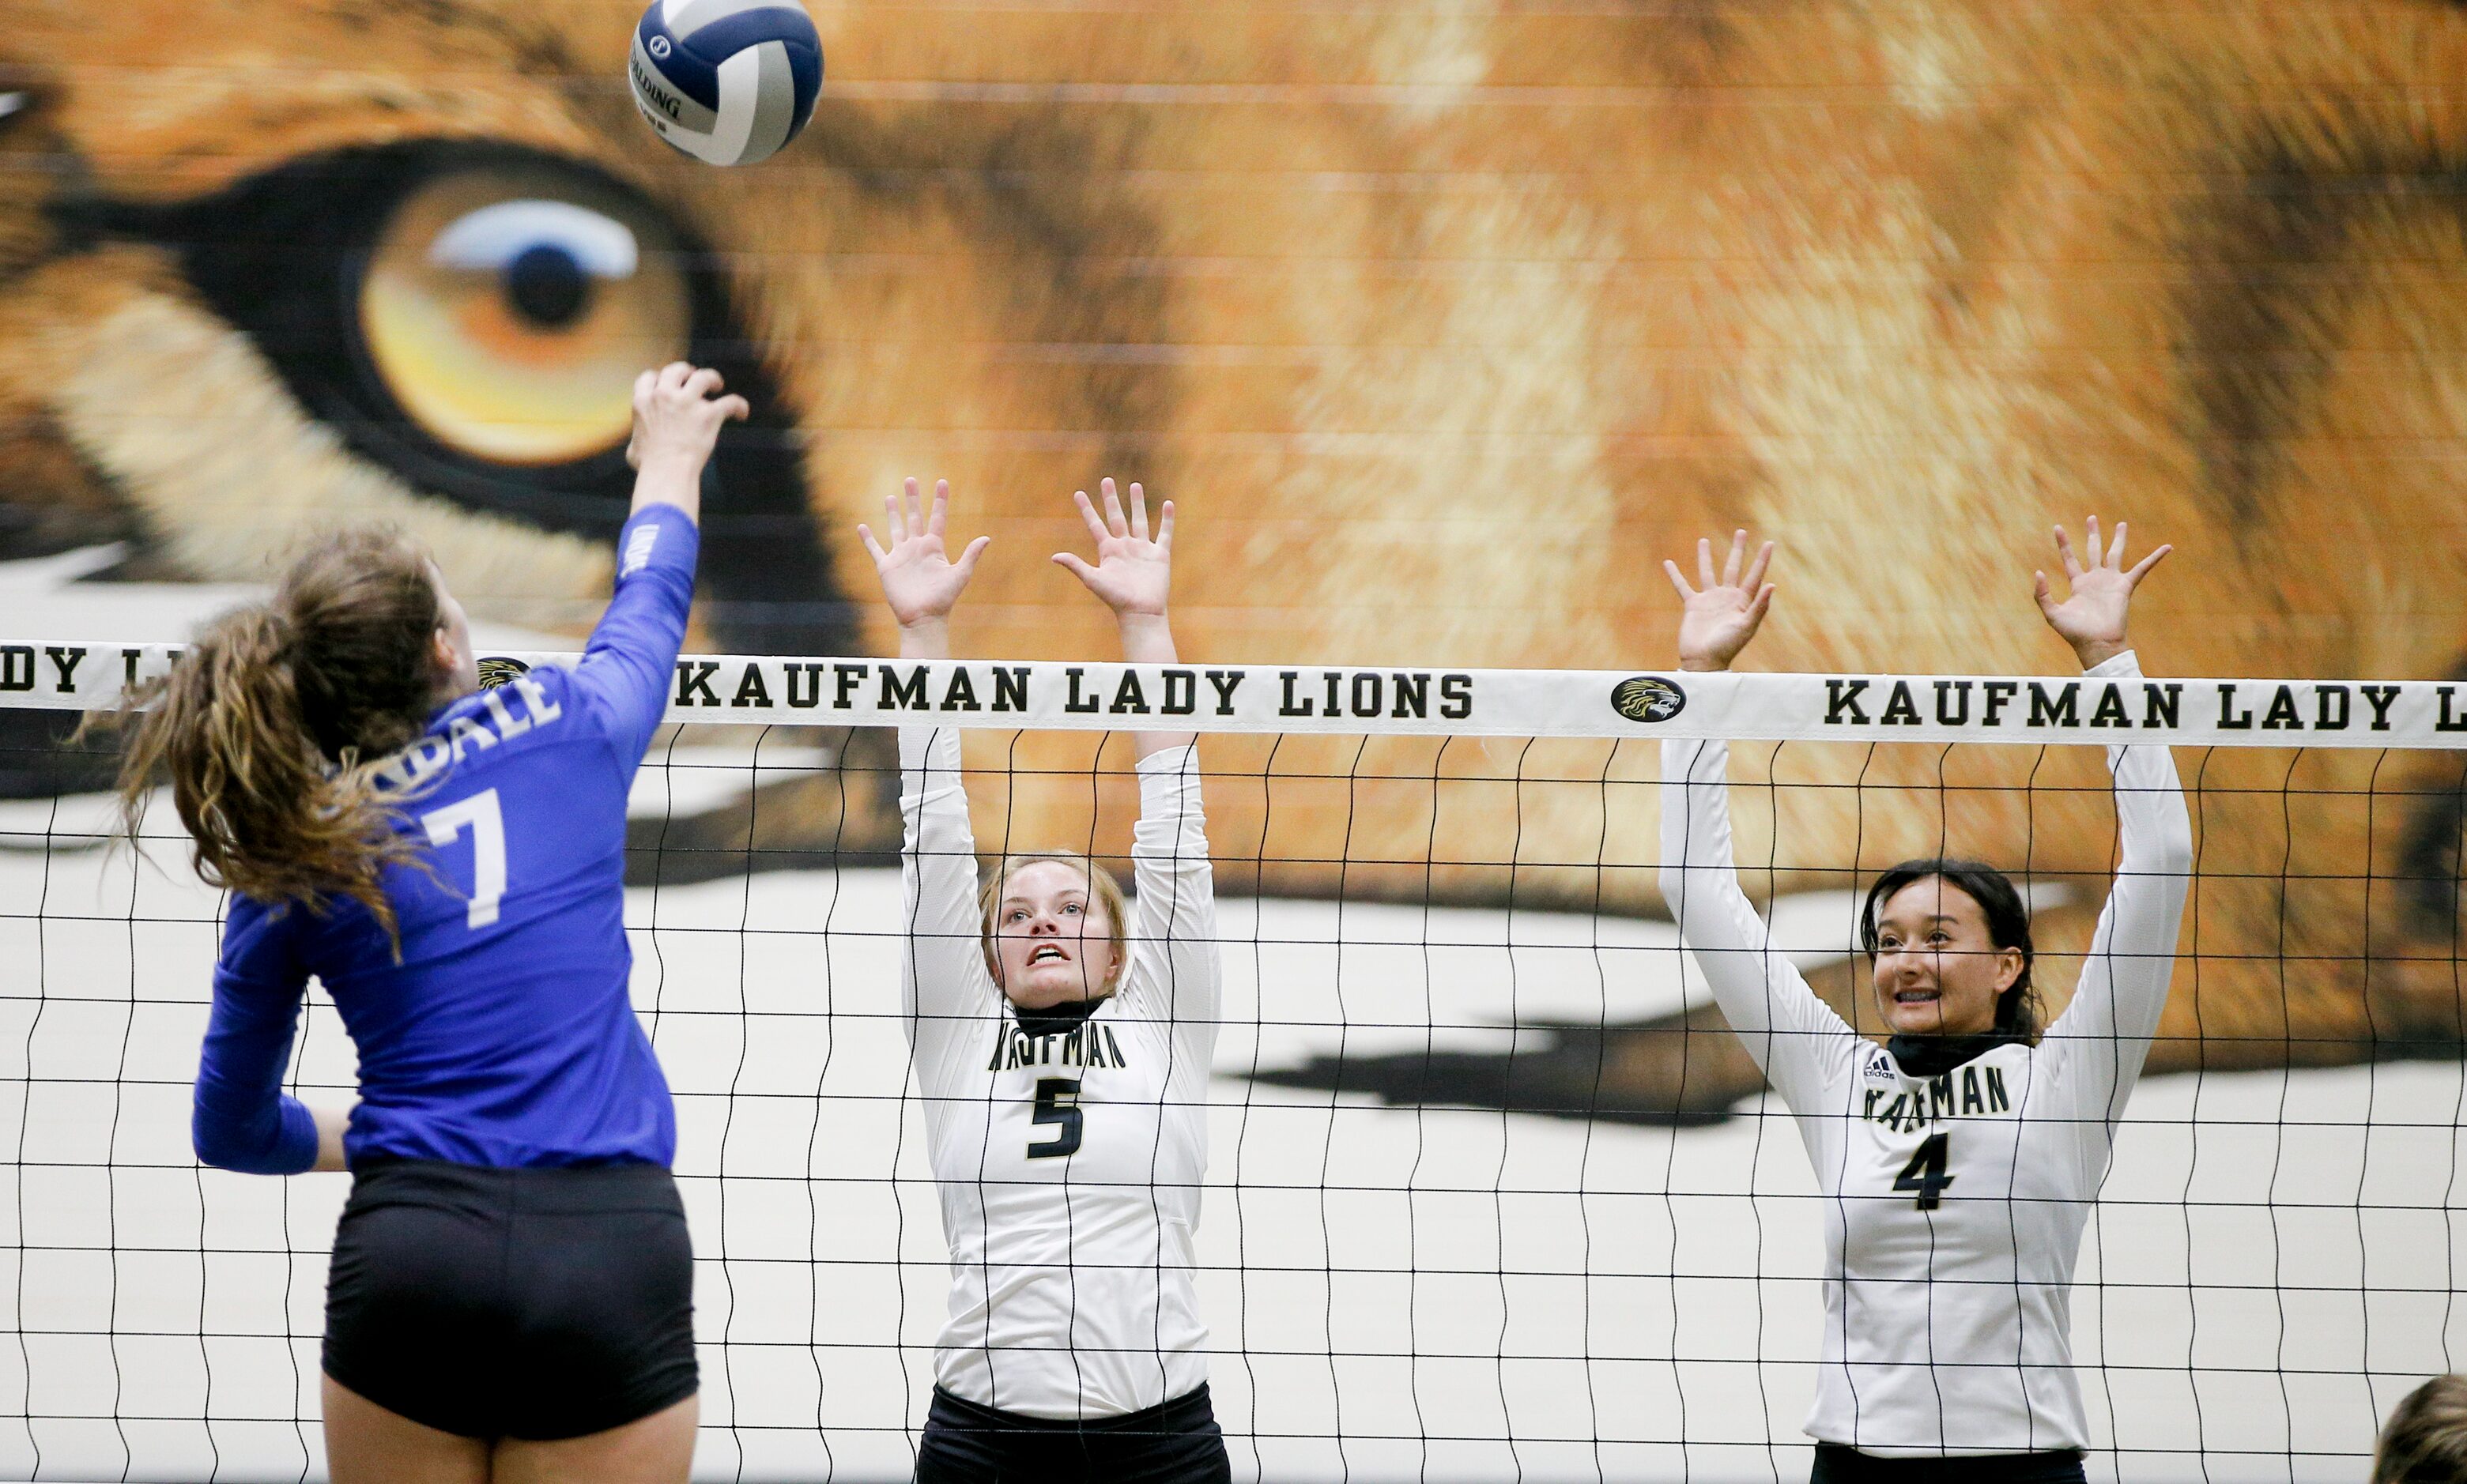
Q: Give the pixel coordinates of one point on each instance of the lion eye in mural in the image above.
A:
(470, 318)
(507, 312)
(439, 335)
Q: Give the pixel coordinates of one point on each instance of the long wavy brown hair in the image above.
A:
(274, 723)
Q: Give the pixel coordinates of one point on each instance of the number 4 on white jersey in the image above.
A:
(487, 824)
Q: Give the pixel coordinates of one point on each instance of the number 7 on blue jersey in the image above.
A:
(487, 824)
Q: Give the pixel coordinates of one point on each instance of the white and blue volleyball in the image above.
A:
(728, 81)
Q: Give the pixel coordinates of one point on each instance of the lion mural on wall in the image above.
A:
(1442, 328)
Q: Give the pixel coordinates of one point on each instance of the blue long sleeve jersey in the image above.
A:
(505, 1037)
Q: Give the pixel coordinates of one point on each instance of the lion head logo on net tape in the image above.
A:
(496, 669)
(1647, 698)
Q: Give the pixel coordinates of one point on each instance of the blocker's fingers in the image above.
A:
(1730, 563)
(2097, 552)
(735, 409)
(1671, 569)
(703, 383)
(865, 533)
(916, 502)
(895, 518)
(1139, 511)
(941, 508)
(1164, 529)
(643, 386)
(967, 562)
(2116, 552)
(1088, 514)
(2065, 549)
(1756, 609)
(674, 373)
(1704, 562)
(2045, 595)
(2141, 568)
(1078, 568)
(1115, 525)
(1757, 568)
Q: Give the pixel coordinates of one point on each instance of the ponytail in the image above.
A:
(271, 728)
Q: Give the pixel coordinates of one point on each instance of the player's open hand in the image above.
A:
(1720, 615)
(2092, 620)
(919, 580)
(678, 410)
(1133, 574)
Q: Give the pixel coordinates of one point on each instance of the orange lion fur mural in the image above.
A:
(1440, 328)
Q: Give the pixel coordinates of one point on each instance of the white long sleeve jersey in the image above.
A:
(1954, 1206)
(1069, 1164)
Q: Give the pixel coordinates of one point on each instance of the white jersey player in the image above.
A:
(1960, 1160)
(1061, 1041)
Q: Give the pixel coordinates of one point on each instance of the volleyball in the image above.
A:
(727, 82)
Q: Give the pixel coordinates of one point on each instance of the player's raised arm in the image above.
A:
(2091, 618)
(625, 675)
(920, 583)
(1721, 613)
(2104, 1035)
(944, 981)
(678, 412)
(1175, 927)
(1133, 576)
(1791, 1035)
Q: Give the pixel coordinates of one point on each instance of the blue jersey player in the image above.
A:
(511, 1293)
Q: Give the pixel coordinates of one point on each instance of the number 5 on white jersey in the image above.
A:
(487, 824)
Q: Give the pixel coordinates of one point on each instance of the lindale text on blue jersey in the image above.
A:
(499, 721)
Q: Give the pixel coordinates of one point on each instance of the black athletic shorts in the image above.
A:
(539, 1304)
(1836, 1464)
(1175, 1443)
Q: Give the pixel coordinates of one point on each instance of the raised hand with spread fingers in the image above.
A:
(919, 580)
(1721, 614)
(1133, 576)
(2091, 618)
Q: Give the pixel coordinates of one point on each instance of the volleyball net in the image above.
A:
(1492, 1191)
